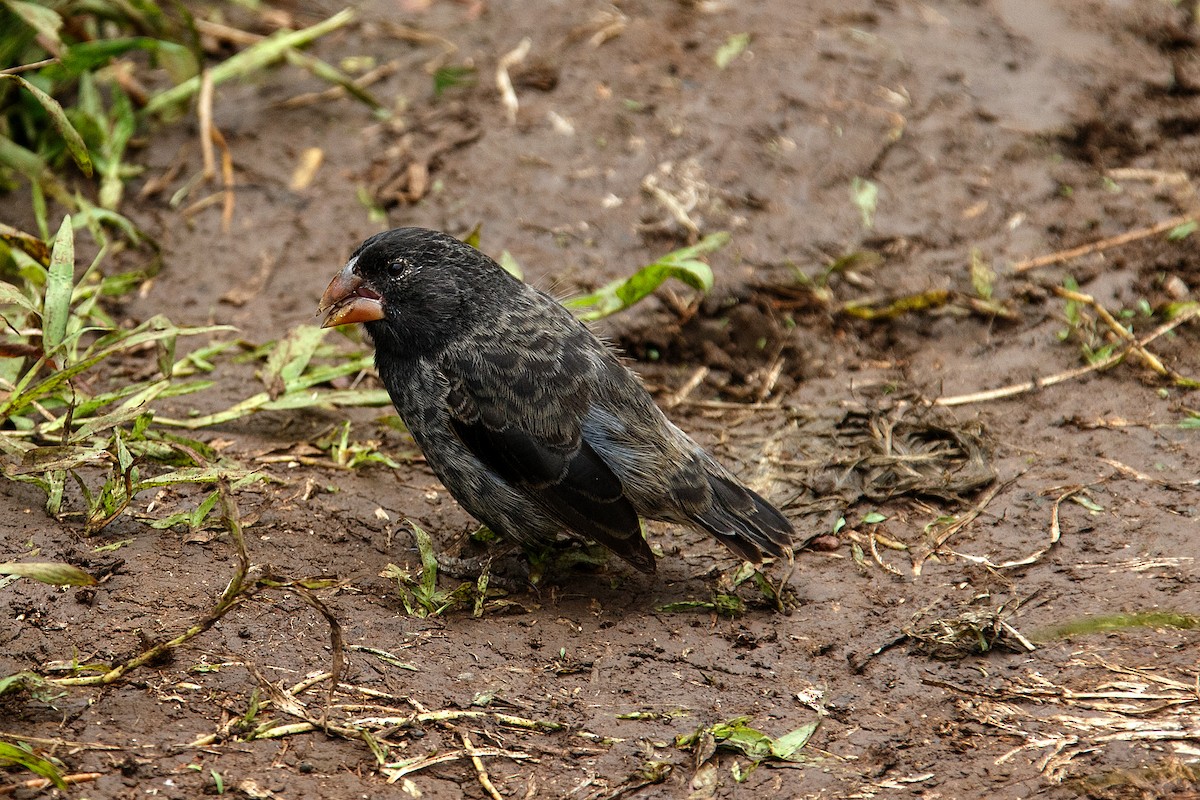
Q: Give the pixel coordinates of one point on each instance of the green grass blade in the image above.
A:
(56, 307)
(682, 265)
(83, 57)
(289, 358)
(12, 296)
(42, 19)
(21, 159)
(331, 74)
(11, 754)
(26, 243)
(53, 573)
(58, 118)
(252, 58)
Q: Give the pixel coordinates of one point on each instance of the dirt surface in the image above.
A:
(1006, 128)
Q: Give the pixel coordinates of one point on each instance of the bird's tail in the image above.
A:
(743, 521)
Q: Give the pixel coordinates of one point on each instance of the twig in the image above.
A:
(687, 388)
(1055, 536)
(334, 92)
(270, 49)
(417, 36)
(1120, 330)
(1125, 469)
(227, 33)
(961, 523)
(729, 405)
(1102, 244)
(235, 593)
(1016, 634)
(484, 780)
(1061, 377)
(37, 784)
(46, 742)
(770, 379)
(204, 112)
(398, 771)
(508, 95)
(226, 179)
(17, 70)
(873, 544)
(677, 209)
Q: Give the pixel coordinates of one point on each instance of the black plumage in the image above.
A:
(530, 421)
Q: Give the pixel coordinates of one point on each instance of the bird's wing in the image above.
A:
(520, 415)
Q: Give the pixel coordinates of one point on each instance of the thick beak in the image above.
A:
(348, 300)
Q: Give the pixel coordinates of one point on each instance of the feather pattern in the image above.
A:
(529, 420)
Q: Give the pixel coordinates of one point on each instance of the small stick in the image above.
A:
(226, 179)
(396, 773)
(1102, 244)
(770, 379)
(484, 780)
(1055, 536)
(688, 387)
(37, 784)
(226, 33)
(873, 542)
(966, 520)
(334, 92)
(17, 70)
(204, 110)
(508, 95)
(1061, 377)
(1116, 327)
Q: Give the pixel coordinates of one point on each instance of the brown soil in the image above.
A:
(1000, 127)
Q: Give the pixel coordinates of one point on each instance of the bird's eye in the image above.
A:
(397, 266)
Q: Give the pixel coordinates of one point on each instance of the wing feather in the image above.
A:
(541, 452)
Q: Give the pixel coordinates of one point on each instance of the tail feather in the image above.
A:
(744, 522)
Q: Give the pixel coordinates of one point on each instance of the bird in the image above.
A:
(531, 422)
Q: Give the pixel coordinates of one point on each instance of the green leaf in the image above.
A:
(22, 159)
(983, 277)
(873, 518)
(53, 573)
(251, 59)
(12, 754)
(289, 358)
(44, 20)
(213, 474)
(178, 61)
(786, 746)
(58, 118)
(450, 76)
(56, 307)
(429, 564)
(734, 46)
(27, 243)
(58, 457)
(1181, 232)
(511, 265)
(118, 341)
(193, 519)
(121, 126)
(683, 265)
(865, 196)
(331, 74)
(12, 296)
(19, 681)
(736, 734)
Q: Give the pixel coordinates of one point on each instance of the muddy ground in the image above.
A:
(1010, 129)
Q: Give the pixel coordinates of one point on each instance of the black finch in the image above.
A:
(526, 417)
